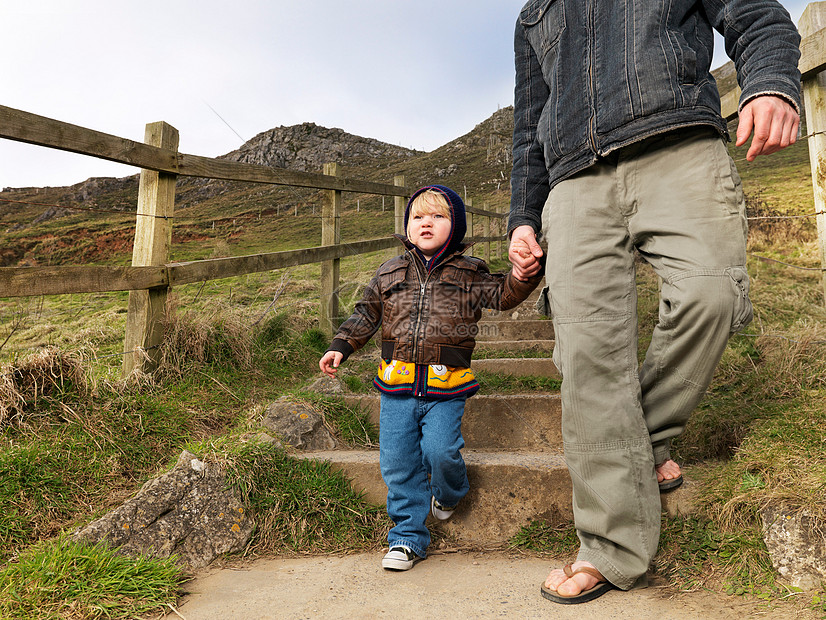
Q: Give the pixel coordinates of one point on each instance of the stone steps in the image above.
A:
(504, 329)
(494, 422)
(513, 442)
(508, 490)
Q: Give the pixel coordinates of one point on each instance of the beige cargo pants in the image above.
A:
(677, 199)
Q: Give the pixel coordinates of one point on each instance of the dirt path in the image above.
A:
(449, 585)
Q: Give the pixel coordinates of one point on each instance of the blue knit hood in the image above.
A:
(458, 222)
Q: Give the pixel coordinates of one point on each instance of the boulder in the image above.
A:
(327, 385)
(188, 511)
(797, 546)
(298, 425)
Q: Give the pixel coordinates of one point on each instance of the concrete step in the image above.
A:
(487, 349)
(518, 366)
(526, 310)
(495, 422)
(507, 329)
(508, 490)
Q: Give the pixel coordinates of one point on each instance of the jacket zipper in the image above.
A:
(422, 286)
(592, 111)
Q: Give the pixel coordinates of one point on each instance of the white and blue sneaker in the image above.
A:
(442, 513)
(399, 558)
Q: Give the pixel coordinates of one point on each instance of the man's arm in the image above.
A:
(529, 176)
(764, 44)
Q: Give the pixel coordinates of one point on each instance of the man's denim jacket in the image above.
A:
(593, 76)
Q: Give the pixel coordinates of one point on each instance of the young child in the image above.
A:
(428, 302)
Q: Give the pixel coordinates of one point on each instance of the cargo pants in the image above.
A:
(676, 199)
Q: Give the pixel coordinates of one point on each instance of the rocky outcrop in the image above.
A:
(91, 189)
(327, 385)
(298, 425)
(188, 511)
(309, 146)
(797, 546)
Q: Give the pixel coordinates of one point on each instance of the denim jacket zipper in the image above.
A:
(592, 109)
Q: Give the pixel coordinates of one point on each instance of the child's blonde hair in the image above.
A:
(426, 202)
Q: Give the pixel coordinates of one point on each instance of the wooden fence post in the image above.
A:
(486, 233)
(399, 204)
(814, 96)
(153, 237)
(500, 230)
(469, 219)
(330, 235)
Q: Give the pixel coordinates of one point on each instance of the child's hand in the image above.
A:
(521, 248)
(329, 362)
(524, 253)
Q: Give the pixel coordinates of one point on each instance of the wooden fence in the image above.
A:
(152, 275)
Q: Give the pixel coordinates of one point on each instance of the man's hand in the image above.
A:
(774, 122)
(524, 253)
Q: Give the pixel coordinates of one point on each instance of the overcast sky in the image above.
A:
(418, 73)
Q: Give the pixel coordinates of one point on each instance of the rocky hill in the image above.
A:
(308, 147)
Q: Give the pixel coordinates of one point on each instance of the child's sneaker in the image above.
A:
(442, 513)
(399, 558)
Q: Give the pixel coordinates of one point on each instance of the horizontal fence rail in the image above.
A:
(29, 281)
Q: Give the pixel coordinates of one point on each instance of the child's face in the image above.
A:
(429, 231)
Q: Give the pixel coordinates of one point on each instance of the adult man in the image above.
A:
(619, 146)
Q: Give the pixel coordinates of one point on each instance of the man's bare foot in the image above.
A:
(668, 470)
(565, 586)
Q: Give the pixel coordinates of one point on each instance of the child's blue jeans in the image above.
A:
(420, 437)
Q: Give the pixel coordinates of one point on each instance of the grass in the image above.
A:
(76, 445)
(301, 506)
(61, 579)
(547, 538)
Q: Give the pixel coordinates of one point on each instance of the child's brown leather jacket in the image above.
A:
(429, 317)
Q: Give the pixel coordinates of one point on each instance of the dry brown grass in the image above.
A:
(193, 339)
(41, 374)
(771, 226)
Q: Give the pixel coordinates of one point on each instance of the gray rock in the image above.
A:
(797, 546)
(299, 425)
(188, 511)
(327, 385)
(309, 146)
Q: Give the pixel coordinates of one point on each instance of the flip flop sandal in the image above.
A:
(670, 485)
(586, 595)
